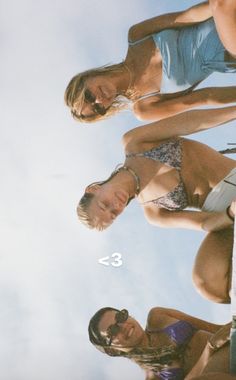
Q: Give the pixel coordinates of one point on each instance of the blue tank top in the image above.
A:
(190, 55)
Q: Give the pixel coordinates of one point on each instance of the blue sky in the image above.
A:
(51, 282)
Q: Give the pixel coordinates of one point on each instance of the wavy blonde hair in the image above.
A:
(75, 94)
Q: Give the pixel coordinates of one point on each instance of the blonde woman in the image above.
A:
(167, 57)
(173, 346)
(178, 183)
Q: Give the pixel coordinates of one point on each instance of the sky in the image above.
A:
(51, 281)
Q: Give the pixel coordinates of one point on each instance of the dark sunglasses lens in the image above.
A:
(99, 109)
(89, 97)
(113, 330)
(122, 316)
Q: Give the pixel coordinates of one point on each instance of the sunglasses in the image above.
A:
(120, 317)
(90, 98)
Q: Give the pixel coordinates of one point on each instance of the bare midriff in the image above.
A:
(194, 349)
(202, 169)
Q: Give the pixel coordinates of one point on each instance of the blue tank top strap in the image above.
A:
(133, 43)
(145, 96)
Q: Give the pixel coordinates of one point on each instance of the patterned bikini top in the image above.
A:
(169, 153)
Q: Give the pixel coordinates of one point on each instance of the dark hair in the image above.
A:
(94, 334)
(148, 358)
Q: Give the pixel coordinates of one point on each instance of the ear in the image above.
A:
(92, 189)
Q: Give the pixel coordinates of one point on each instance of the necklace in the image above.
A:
(133, 174)
(130, 77)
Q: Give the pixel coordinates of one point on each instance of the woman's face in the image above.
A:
(99, 95)
(108, 202)
(130, 334)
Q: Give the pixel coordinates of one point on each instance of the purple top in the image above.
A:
(180, 333)
(171, 374)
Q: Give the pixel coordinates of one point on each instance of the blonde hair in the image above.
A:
(75, 94)
(82, 210)
(83, 207)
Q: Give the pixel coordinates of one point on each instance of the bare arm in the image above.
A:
(161, 106)
(155, 314)
(218, 340)
(193, 15)
(194, 220)
(180, 125)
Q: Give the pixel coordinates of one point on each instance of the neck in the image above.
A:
(123, 178)
(122, 78)
(145, 341)
(130, 179)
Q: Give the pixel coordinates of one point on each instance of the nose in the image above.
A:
(118, 205)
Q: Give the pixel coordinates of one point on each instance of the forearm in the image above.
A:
(179, 125)
(194, 220)
(193, 15)
(200, 120)
(220, 338)
(161, 107)
(216, 221)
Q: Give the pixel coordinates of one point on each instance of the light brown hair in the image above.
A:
(75, 97)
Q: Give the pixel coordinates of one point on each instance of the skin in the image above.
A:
(224, 13)
(104, 91)
(202, 169)
(109, 202)
(130, 335)
(144, 64)
(200, 361)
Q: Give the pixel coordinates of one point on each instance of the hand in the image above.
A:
(232, 208)
(220, 338)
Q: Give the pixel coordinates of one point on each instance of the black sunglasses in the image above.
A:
(120, 317)
(89, 97)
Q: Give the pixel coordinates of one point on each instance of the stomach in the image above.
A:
(202, 169)
(194, 349)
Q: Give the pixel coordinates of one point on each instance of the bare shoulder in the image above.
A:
(133, 141)
(141, 107)
(159, 317)
(155, 215)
